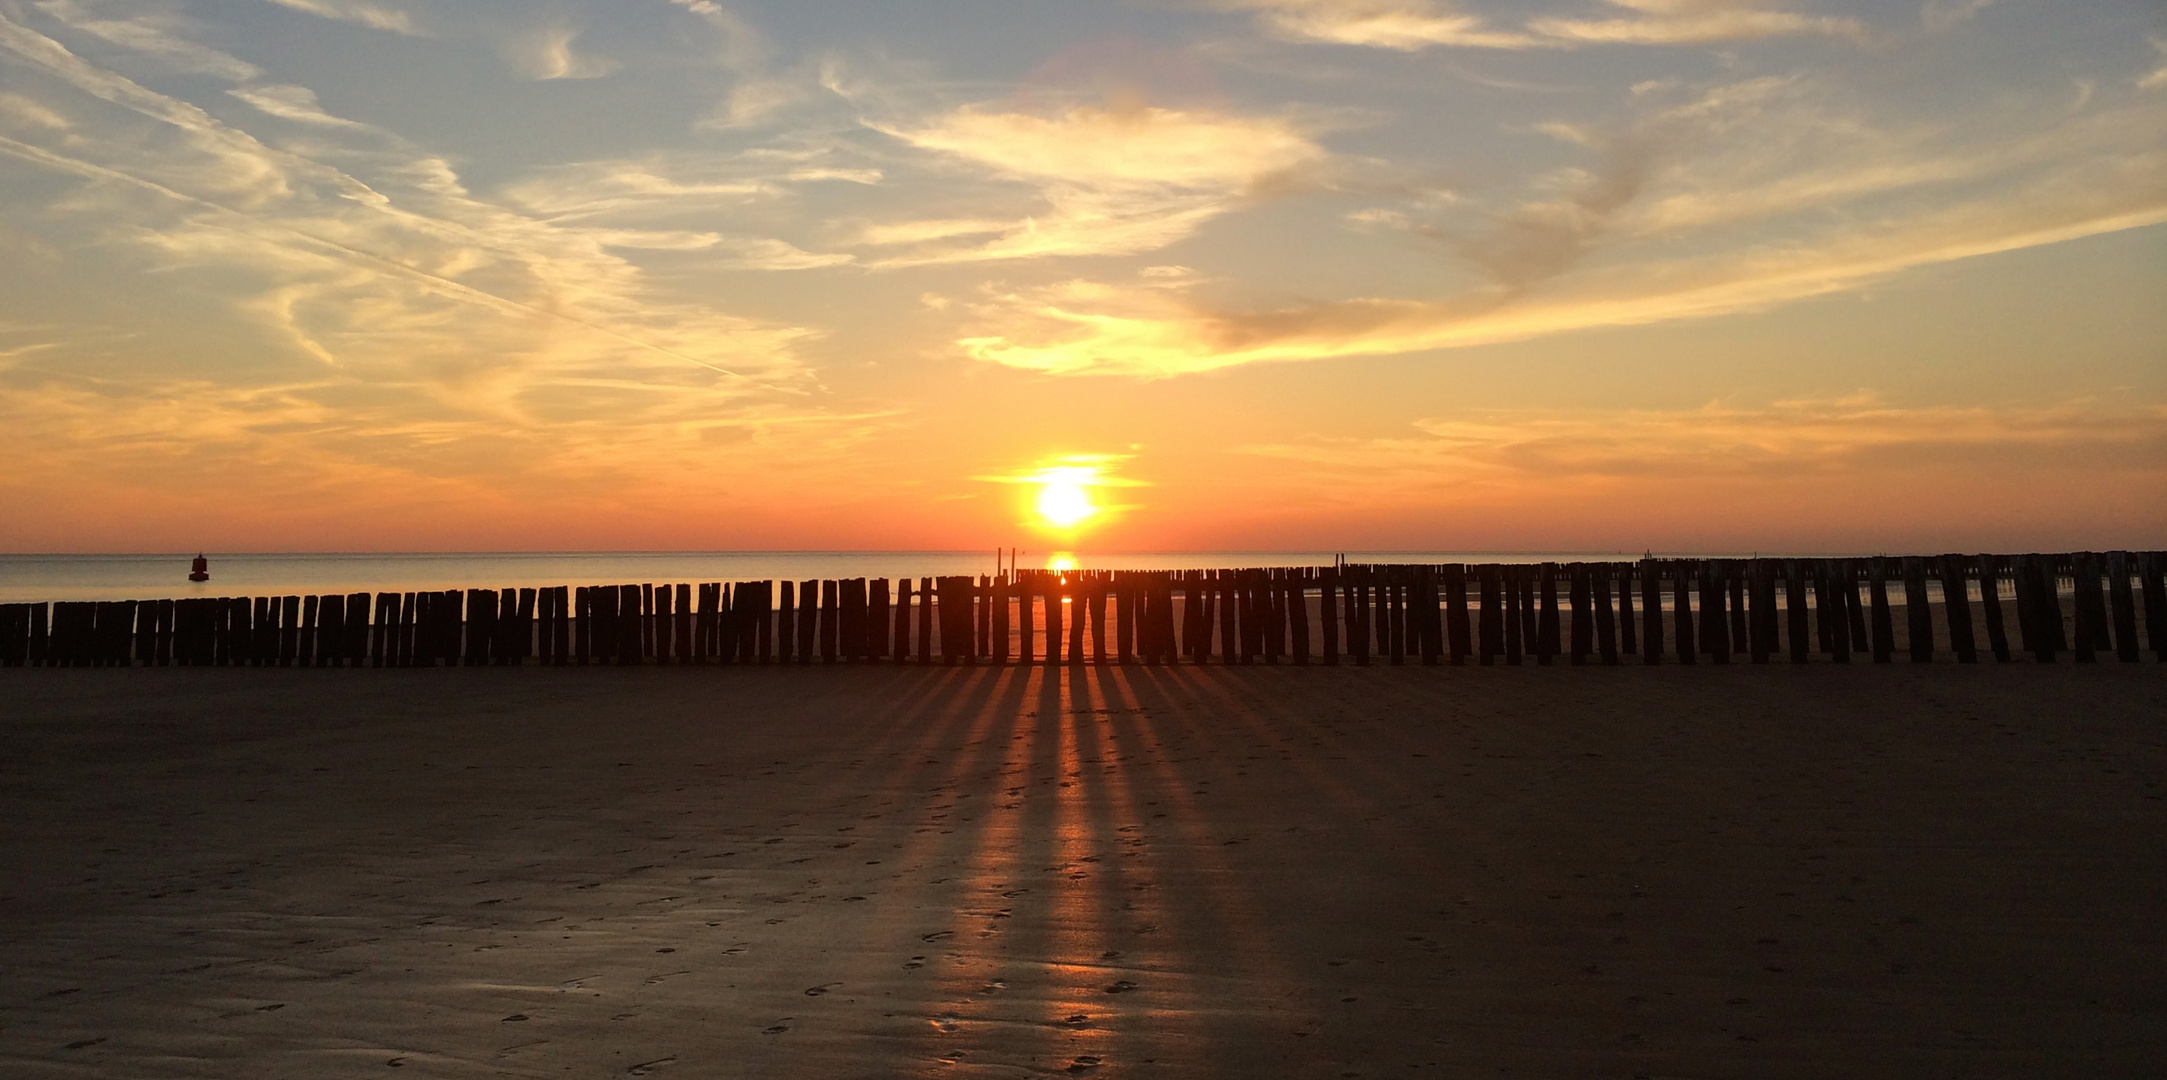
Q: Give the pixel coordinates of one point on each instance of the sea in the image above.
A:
(46, 578)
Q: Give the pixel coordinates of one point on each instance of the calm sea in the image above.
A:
(143, 577)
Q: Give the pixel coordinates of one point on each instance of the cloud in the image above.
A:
(1724, 442)
(392, 323)
(153, 35)
(296, 103)
(1088, 328)
(1410, 25)
(1693, 22)
(1405, 25)
(1108, 180)
(545, 53)
(2158, 77)
(373, 16)
(1942, 16)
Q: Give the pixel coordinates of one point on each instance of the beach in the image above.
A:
(862, 871)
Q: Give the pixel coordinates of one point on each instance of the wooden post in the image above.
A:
(850, 620)
(1740, 635)
(1606, 620)
(1095, 592)
(808, 626)
(1715, 620)
(2030, 580)
(1581, 594)
(2149, 567)
(1760, 619)
(1515, 612)
(1548, 633)
(1681, 609)
(1227, 600)
(1490, 619)
(1003, 593)
(903, 612)
(1298, 615)
(1918, 614)
(662, 604)
(786, 623)
(1956, 607)
(1836, 593)
(1884, 622)
(1027, 589)
(878, 624)
(1997, 635)
(2092, 633)
(1651, 611)
(1328, 613)
(925, 620)
(1628, 625)
(831, 635)
(2124, 604)
(1077, 588)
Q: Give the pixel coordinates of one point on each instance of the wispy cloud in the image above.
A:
(1405, 25)
(1693, 22)
(1109, 180)
(373, 16)
(154, 35)
(2157, 78)
(545, 52)
(296, 103)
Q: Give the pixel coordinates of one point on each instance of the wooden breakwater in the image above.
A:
(1961, 608)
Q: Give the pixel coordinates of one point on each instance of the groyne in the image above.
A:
(2034, 608)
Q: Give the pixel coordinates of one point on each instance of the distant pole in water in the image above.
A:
(201, 569)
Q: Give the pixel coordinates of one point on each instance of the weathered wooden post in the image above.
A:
(1298, 615)
(1547, 633)
(903, 594)
(1606, 619)
(1956, 605)
(926, 601)
(1651, 611)
(1835, 593)
(2124, 605)
(877, 621)
(1681, 609)
(2150, 566)
(1095, 592)
(1077, 588)
(1918, 613)
(1997, 634)
(1328, 614)
(808, 619)
(2091, 608)
(1027, 589)
(1884, 623)
(1741, 637)
(786, 622)
(1051, 583)
(1715, 599)
(1581, 595)
(831, 632)
(851, 618)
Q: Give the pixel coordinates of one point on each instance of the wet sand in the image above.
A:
(1252, 872)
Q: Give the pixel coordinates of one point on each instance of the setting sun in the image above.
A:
(1063, 502)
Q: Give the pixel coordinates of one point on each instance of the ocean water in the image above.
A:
(34, 578)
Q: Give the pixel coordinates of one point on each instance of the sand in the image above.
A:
(1253, 872)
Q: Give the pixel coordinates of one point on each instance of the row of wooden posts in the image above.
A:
(1689, 610)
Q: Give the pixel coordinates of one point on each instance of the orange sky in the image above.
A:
(1327, 274)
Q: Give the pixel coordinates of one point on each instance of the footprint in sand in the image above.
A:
(513, 1019)
(816, 991)
(914, 963)
(1121, 987)
(776, 1028)
(1086, 1063)
(947, 1021)
(646, 1067)
(938, 935)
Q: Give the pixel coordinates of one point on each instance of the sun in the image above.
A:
(1063, 502)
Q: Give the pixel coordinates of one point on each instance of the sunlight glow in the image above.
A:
(1062, 500)
(1061, 562)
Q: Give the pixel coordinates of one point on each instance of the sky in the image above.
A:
(1583, 275)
